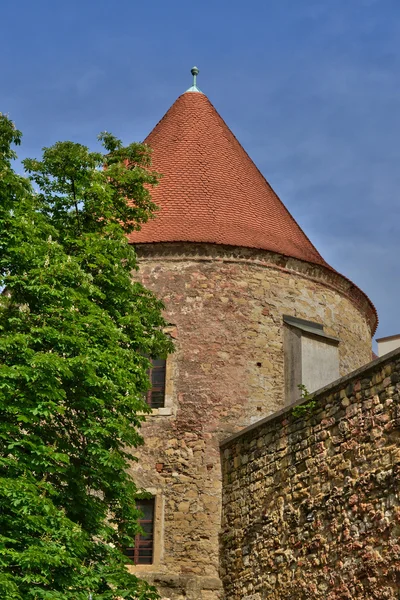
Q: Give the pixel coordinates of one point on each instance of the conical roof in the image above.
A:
(211, 191)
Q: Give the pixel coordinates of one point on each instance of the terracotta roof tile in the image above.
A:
(211, 191)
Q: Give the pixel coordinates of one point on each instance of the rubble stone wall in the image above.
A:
(225, 308)
(311, 506)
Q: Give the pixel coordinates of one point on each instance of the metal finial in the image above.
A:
(194, 72)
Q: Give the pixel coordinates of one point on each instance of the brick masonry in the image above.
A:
(311, 504)
(225, 307)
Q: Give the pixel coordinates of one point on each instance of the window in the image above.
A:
(156, 395)
(142, 552)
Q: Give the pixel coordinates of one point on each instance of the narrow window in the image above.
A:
(156, 395)
(142, 551)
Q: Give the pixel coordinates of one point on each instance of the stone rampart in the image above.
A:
(311, 505)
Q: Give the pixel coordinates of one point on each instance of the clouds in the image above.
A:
(330, 146)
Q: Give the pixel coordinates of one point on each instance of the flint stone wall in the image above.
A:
(311, 504)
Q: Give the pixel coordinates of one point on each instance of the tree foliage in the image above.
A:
(75, 336)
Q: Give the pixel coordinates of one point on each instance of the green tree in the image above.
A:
(75, 334)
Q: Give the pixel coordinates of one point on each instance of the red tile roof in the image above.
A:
(211, 191)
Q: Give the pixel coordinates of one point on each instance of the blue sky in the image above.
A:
(311, 88)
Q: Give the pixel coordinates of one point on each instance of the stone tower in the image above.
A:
(252, 307)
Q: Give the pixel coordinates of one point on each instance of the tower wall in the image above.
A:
(225, 306)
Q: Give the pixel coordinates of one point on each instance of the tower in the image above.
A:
(252, 307)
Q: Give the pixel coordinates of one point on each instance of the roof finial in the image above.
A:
(194, 71)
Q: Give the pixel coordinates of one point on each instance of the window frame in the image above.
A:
(133, 552)
(157, 388)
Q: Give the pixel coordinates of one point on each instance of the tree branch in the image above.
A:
(76, 204)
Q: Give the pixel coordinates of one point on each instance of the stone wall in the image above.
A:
(225, 307)
(311, 504)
